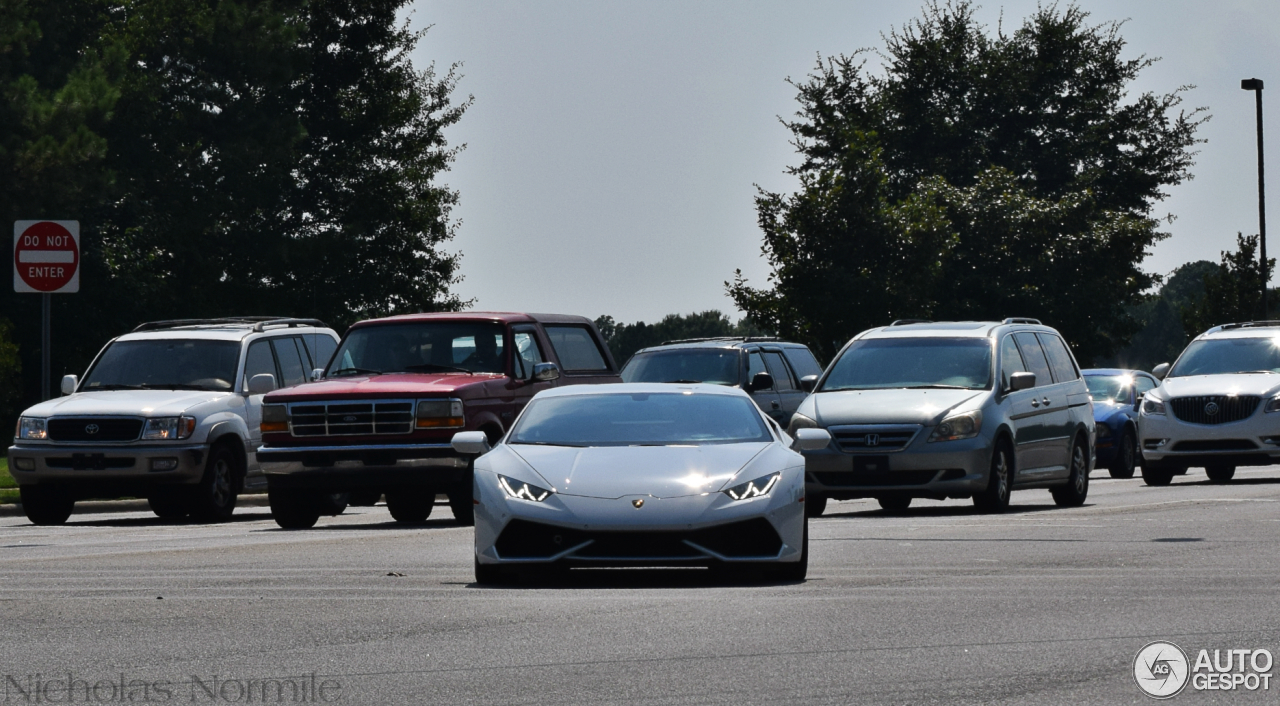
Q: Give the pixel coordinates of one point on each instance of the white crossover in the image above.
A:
(640, 475)
(1217, 407)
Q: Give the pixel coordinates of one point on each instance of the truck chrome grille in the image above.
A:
(1214, 409)
(94, 428)
(874, 438)
(351, 418)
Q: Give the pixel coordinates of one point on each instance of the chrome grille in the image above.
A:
(874, 438)
(351, 418)
(1214, 409)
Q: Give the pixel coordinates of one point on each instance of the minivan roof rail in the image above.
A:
(259, 323)
(1021, 320)
(1249, 324)
(739, 339)
(906, 322)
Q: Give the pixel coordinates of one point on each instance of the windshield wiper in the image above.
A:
(549, 443)
(435, 366)
(1257, 372)
(352, 371)
(174, 386)
(684, 382)
(95, 388)
(938, 387)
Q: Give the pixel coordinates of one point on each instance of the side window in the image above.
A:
(1143, 384)
(1010, 361)
(576, 348)
(778, 369)
(527, 354)
(1034, 357)
(1064, 368)
(802, 361)
(290, 363)
(320, 347)
(755, 364)
(259, 361)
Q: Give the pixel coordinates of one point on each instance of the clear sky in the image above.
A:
(613, 147)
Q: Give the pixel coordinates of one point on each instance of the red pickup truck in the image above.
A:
(379, 419)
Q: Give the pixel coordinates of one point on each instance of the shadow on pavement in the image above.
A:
(945, 511)
(158, 522)
(632, 578)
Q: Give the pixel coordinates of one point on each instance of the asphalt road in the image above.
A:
(939, 605)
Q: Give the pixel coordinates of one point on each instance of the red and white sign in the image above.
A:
(46, 257)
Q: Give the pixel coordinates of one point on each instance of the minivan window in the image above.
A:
(1010, 362)
(1059, 358)
(891, 363)
(1033, 356)
(576, 348)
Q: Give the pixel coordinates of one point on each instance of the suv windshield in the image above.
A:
(1108, 388)
(165, 364)
(1217, 356)
(421, 347)
(889, 363)
(718, 366)
(640, 419)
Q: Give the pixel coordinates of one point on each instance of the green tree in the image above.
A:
(979, 176)
(1163, 336)
(625, 339)
(1232, 290)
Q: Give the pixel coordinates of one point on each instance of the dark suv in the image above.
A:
(779, 375)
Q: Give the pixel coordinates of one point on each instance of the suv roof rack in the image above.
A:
(1248, 324)
(259, 323)
(907, 322)
(739, 339)
(1021, 320)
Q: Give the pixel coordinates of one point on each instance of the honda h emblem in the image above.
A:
(91, 429)
(872, 440)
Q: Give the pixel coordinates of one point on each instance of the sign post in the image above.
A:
(46, 261)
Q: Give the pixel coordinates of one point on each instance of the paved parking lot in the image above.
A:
(1042, 605)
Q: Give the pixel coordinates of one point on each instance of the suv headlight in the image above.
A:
(166, 428)
(1152, 405)
(521, 490)
(32, 428)
(440, 414)
(754, 488)
(957, 426)
(1273, 405)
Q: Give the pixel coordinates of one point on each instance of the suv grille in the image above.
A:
(874, 438)
(94, 429)
(1214, 409)
(352, 418)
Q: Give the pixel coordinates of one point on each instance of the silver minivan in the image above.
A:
(962, 409)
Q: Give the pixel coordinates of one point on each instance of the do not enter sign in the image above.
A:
(46, 257)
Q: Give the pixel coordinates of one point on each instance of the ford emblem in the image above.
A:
(1211, 408)
(91, 429)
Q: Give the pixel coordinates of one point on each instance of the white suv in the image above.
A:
(169, 412)
(1217, 407)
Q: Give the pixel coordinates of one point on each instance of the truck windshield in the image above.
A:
(421, 347)
(640, 419)
(717, 366)
(1220, 356)
(889, 363)
(165, 364)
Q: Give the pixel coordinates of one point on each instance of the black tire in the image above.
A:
(1157, 474)
(894, 503)
(1126, 461)
(1075, 491)
(1220, 474)
(364, 498)
(492, 575)
(46, 505)
(815, 504)
(294, 509)
(334, 503)
(213, 499)
(168, 505)
(995, 497)
(799, 570)
(412, 506)
(463, 508)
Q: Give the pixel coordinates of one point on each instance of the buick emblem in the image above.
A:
(873, 440)
(637, 503)
(91, 429)
(1211, 408)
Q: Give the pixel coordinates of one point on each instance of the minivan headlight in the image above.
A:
(167, 428)
(958, 426)
(32, 428)
(1152, 405)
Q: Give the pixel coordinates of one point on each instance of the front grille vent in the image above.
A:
(870, 438)
(1214, 409)
(355, 418)
(94, 428)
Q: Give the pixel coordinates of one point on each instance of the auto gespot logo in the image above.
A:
(1163, 670)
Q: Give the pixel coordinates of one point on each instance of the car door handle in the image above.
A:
(1046, 401)
(775, 405)
(1035, 402)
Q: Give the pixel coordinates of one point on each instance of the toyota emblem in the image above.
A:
(91, 429)
(872, 440)
(1211, 408)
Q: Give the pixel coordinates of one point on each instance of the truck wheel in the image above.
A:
(294, 509)
(1126, 461)
(46, 505)
(1220, 474)
(463, 508)
(1154, 473)
(995, 498)
(334, 503)
(214, 497)
(1073, 494)
(815, 504)
(412, 506)
(168, 505)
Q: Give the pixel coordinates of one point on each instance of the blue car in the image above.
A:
(1117, 396)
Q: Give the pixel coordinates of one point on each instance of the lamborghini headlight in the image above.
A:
(521, 490)
(754, 488)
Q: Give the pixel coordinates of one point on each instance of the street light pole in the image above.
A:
(1255, 85)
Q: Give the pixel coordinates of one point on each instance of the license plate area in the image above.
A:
(88, 462)
(870, 464)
